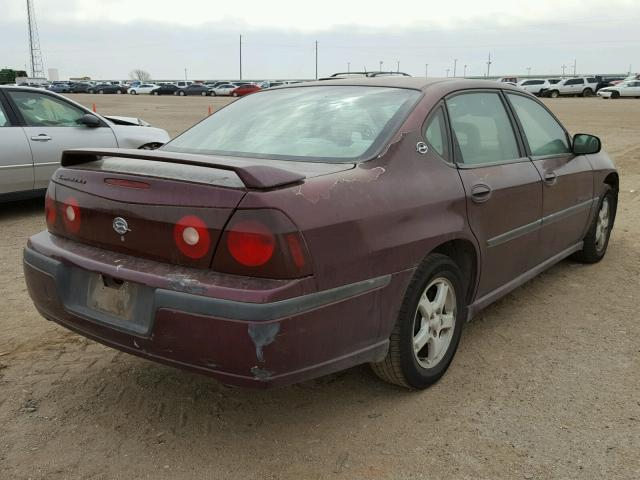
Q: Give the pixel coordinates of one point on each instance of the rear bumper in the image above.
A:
(285, 334)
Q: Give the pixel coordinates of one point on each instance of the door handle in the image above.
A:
(41, 138)
(550, 177)
(480, 193)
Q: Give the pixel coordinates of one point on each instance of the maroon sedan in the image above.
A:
(307, 229)
(243, 90)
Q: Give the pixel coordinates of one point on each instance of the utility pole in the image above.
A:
(240, 57)
(185, 74)
(426, 70)
(381, 62)
(448, 72)
(574, 67)
(398, 66)
(316, 59)
(455, 66)
(464, 72)
(348, 68)
(528, 71)
(563, 69)
(489, 64)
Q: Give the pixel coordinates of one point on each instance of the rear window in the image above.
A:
(325, 123)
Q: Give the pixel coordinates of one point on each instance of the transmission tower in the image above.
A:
(37, 68)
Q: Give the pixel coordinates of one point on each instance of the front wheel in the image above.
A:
(427, 331)
(181, 94)
(597, 238)
(234, 94)
(554, 94)
(615, 94)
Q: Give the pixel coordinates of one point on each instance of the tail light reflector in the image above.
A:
(191, 236)
(262, 243)
(71, 214)
(50, 212)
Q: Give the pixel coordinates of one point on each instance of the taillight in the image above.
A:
(191, 236)
(262, 243)
(50, 212)
(71, 214)
(251, 243)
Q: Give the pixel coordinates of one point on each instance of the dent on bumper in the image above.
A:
(249, 344)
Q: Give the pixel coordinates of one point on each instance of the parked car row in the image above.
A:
(581, 86)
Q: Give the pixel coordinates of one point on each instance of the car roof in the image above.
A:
(414, 83)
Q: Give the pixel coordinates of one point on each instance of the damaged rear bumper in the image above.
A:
(241, 331)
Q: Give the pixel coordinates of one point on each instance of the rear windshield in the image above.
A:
(326, 123)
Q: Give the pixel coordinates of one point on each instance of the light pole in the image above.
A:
(240, 57)
(348, 67)
(528, 71)
(381, 62)
(185, 74)
(455, 66)
(316, 59)
(489, 62)
(563, 69)
(426, 70)
(464, 71)
(574, 67)
(448, 72)
(398, 66)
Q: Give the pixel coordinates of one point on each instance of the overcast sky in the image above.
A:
(109, 38)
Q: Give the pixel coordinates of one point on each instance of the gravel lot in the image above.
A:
(546, 383)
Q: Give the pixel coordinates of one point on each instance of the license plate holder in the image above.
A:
(113, 297)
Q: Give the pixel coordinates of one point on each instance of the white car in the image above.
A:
(534, 85)
(36, 126)
(144, 88)
(626, 89)
(582, 86)
(224, 89)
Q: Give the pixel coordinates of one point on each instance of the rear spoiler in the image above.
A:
(253, 174)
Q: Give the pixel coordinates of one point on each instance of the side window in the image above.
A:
(435, 133)
(543, 133)
(45, 111)
(482, 128)
(4, 120)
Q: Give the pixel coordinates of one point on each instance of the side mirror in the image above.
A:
(584, 144)
(89, 120)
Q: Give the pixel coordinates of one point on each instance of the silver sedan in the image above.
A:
(37, 125)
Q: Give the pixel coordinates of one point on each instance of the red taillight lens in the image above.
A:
(251, 243)
(71, 214)
(50, 212)
(192, 237)
(262, 243)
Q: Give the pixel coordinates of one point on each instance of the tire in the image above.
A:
(234, 94)
(182, 94)
(597, 238)
(615, 94)
(554, 94)
(100, 92)
(214, 94)
(118, 92)
(404, 366)
(587, 92)
(155, 93)
(204, 94)
(134, 92)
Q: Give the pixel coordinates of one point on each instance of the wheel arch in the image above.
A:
(464, 253)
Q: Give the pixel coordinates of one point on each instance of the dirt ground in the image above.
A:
(546, 383)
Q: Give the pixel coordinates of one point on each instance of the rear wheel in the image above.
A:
(234, 94)
(554, 94)
(118, 92)
(181, 94)
(204, 94)
(597, 238)
(155, 93)
(615, 94)
(587, 92)
(100, 92)
(427, 331)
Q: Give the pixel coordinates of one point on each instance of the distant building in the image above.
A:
(53, 75)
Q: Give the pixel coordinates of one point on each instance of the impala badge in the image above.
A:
(120, 226)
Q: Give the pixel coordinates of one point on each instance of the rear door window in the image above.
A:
(435, 133)
(482, 128)
(543, 133)
(4, 118)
